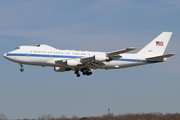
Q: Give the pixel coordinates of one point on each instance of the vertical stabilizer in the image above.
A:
(157, 46)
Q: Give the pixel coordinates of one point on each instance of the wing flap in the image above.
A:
(97, 65)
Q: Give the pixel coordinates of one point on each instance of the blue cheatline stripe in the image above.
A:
(41, 55)
(130, 60)
(65, 56)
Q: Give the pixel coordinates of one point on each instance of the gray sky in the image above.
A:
(96, 25)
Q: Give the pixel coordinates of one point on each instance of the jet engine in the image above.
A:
(101, 58)
(61, 69)
(73, 63)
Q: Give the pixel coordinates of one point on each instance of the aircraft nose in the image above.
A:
(11, 58)
(5, 55)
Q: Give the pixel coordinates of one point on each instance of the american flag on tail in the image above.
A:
(159, 43)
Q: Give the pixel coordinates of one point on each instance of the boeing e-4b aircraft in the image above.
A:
(85, 61)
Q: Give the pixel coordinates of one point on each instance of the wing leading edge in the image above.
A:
(117, 52)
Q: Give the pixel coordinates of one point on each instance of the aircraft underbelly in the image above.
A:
(31, 60)
(121, 64)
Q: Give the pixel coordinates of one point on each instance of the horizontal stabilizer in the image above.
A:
(157, 58)
(120, 51)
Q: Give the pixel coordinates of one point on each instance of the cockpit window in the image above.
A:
(17, 47)
(38, 45)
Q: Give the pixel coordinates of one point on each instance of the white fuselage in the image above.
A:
(45, 55)
(85, 61)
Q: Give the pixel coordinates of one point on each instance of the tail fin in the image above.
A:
(157, 46)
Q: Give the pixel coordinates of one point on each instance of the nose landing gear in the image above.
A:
(22, 69)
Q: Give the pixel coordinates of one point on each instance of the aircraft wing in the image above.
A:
(160, 57)
(86, 62)
(117, 52)
(91, 62)
(112, 55)
(83, 59)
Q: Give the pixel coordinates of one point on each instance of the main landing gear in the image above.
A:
(84, 72)
(77, 73)
(22, 69)
(87, 73)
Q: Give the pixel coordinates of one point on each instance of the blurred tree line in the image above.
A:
(110, 116)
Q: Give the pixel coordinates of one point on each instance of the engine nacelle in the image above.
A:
(101, 58)
(73, 63)
(59, 69)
